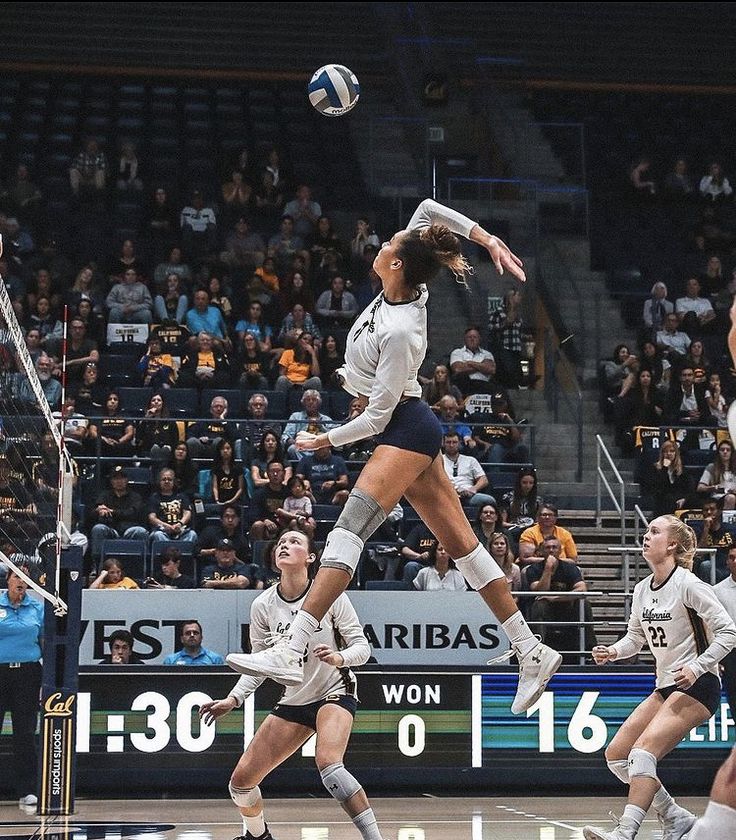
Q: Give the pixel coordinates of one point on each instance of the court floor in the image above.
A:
(418, 818)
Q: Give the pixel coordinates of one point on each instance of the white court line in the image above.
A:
(539, 818)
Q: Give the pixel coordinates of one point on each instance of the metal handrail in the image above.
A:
(639, 515)
(555, 364)
(620, 502)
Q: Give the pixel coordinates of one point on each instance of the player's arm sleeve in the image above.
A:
(635, 638)
(247, 684)
(357, 651)
(431, 212)
(390, 382)
(699, 596)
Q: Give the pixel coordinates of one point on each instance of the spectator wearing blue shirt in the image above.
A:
(21, 634)
(327, 475)
(205, 317)
(192, 652)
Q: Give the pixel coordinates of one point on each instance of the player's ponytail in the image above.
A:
(686, 542)
(425, 252)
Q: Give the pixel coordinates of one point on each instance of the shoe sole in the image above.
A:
(591, 833)
(256, 671)
(552, 671)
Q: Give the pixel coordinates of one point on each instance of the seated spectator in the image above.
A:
(90, 392)
(327, 476)
(309, 419)
(285, 245)
(79, 350)
(227, 528)
(465, 473)
(173, 265)
(296, 514)
(269, 449)
(716, 401)
(440, 574)
(336, 307)
(487, 524)
(295, 323)
(128, 171)
(219, 298)
(204, 435)
(714, 187)
(269, 202)
(255, 323)
(244, 250)
(641, 178)
(237, 195)
(121, 650)
(170, 576)
(112, 576)
(268, 279)
(206, 366)
(46, 322)
(714, 533)
(252, 365)
(115, 432)
(653, 359)
(162, 224)
(33, 343)
(449, 414)
(204, 317)
(255, 426)
(331, 358)
(170, 512)
(546, 526)
(440, 386)
(76, 426)
(127, 259)
(304, 211)
(172, 304)
(667, 481)
(500, 549)
(497, 435)
(266, 501)
(295, 290)
(186, 473)
(364, 235)
(51, 387)
(698, 361)
(227, 572)
(713, 279)
(505, 328)
(198, 228)
(157, 365)
(299, 365)
(118, 514)
(670, 340)
(130, 302)
(693, 311)
(322, 240)
(191, 651)
(554, 573)
(25, 197)
(677, 183)
(620, 372)
(685, 405)
(88, 172)
(228, 484)
(473, 368)
(719, 478)
(415, 550)
(642, 406)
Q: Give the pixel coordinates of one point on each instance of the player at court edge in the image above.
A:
(384, 350)
(676, 614)
(324, 702)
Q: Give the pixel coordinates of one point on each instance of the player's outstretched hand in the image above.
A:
(603, 654)
(504, 258)
(307, 442)
(327, 655)
(209, 712)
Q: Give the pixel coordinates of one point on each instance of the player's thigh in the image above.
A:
(677, 716)
(274, 741)
(434, 498)
(389, 472)
(334, 725)
(631, 729)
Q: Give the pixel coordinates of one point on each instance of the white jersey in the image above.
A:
(340, 629)
(387, 343)
(682, 622)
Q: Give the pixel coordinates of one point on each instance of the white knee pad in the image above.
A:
(339, 782)
(642, 763)
(620, 769)
(718, 821)
(342, 551)
(478, 568)
(244, 797)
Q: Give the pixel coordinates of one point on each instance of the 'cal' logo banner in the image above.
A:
(57, 755)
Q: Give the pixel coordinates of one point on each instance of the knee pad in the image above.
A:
(339, 783)
(642, 763)
(244, 797)
(479, 568)
(620, 769)
(342, 551)
(361, 515)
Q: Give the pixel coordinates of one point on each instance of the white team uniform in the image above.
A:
(340, 629)
(683, 623)
(387, 343)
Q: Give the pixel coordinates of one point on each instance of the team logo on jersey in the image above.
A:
(651, 615)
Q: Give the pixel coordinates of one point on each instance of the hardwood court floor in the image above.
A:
(418, 818)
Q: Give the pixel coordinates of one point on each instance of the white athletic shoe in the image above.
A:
(619, 832)
(279, 662)
(677, 825)
(29, 799)
(536, 669)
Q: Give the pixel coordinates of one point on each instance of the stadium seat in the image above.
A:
(387, 585)
(184, 402)
(133, 401)
(131, 553)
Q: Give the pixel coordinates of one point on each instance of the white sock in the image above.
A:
(521, 637)
(662, 801)
(633, 817)
(302, 629)
(255, 825)
(366, 824)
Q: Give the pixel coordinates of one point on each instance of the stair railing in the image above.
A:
(617, 495)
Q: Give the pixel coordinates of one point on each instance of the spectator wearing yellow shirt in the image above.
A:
(546, 526)
(112, 576)
(299, 366)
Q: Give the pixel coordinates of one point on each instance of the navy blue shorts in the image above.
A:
(307, 715)
(413, 426)
(706, 690)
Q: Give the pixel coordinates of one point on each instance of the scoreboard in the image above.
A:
(414, 730)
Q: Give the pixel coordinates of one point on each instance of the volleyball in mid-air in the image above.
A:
(333, 90)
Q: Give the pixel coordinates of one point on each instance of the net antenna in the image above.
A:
(28, 488)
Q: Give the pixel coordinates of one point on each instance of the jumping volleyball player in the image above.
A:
(385, 348)
(324, 702)
(688, 633)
